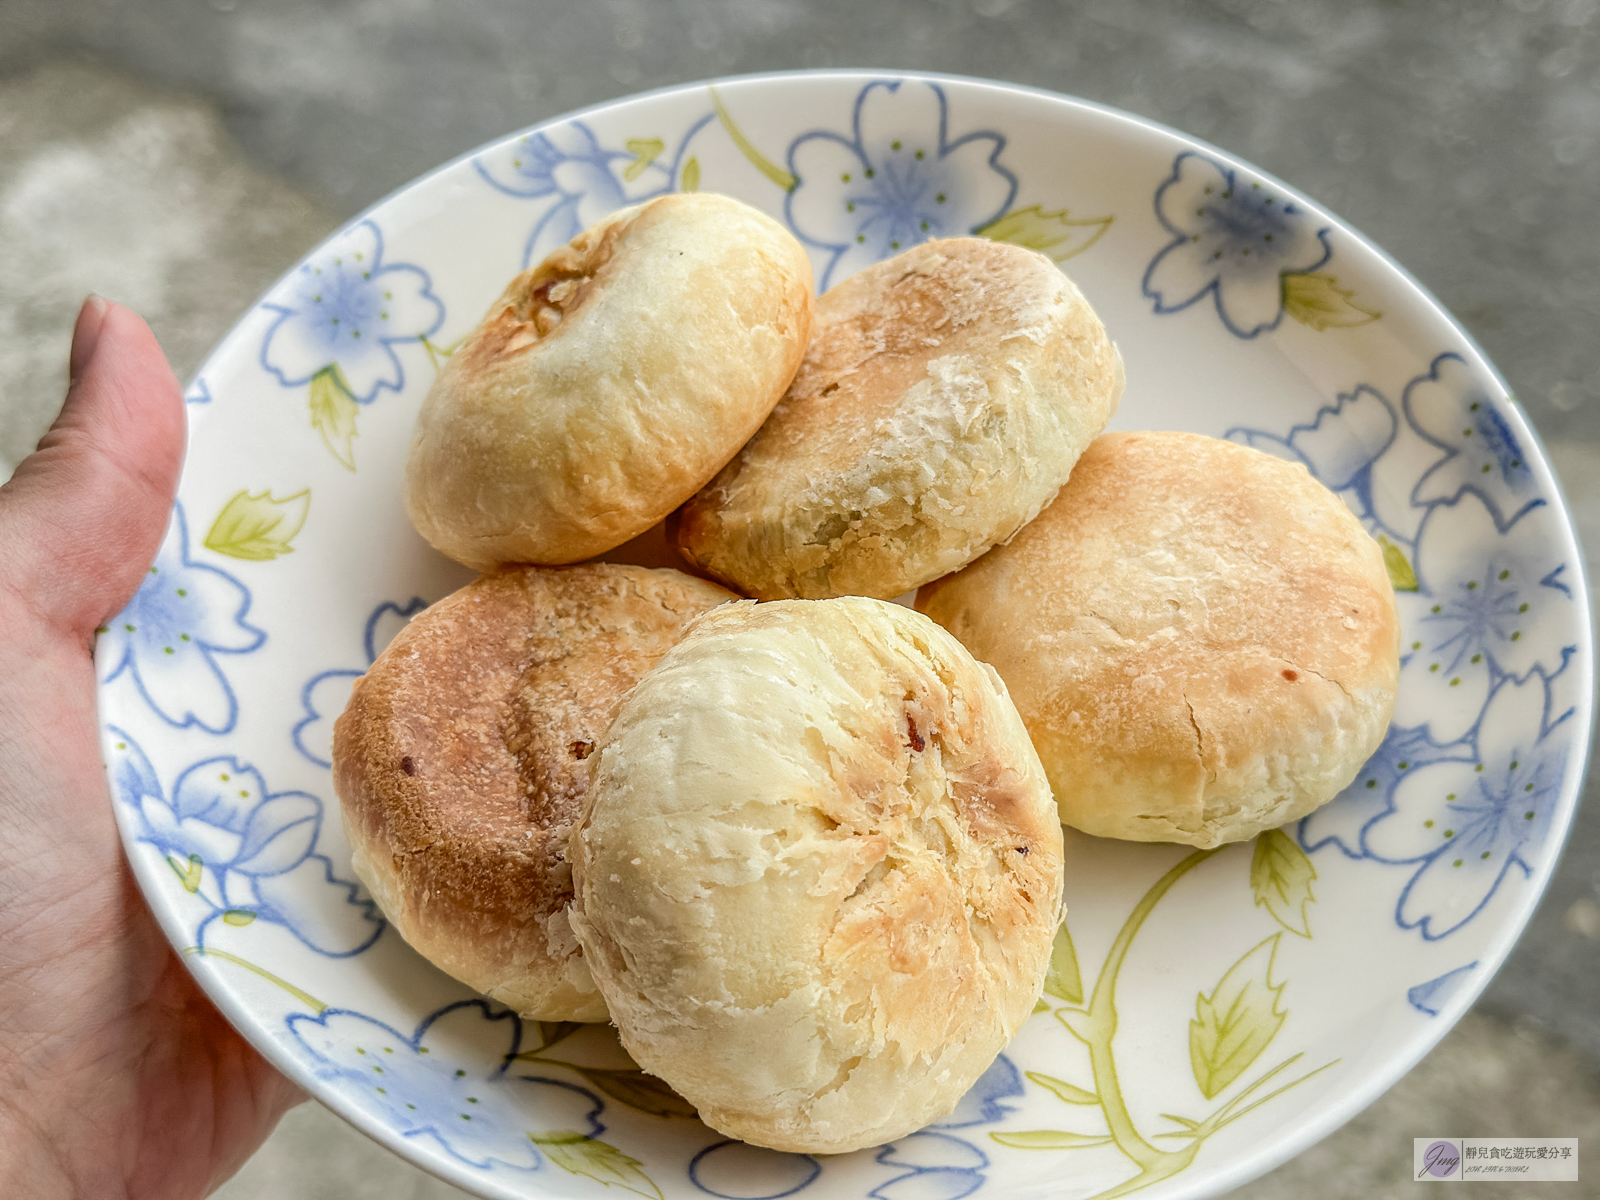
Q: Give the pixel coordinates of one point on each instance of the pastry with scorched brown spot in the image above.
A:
(1202, 639)
(463, 757)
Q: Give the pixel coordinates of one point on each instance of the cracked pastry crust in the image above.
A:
(463, 756)
(818, 872)
(1201, 638)
(942, 401)
(609, 383)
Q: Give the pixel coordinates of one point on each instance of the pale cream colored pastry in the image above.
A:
(1202, 639)
(818, 872)
(462, 759)
(609, 383)
(944, 397)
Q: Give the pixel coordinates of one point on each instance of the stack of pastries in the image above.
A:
(802, 845)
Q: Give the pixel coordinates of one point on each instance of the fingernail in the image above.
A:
(86, 333)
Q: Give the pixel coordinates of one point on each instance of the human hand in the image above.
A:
(117, 1076)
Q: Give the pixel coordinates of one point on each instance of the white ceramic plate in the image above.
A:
(1209, 1015)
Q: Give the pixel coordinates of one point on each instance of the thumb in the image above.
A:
(83, 516)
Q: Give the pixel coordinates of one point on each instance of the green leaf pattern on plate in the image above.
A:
(1234, 1024)
(333, 414)
(1401, 575)
(258, 528)
(1054, 234)
(1063, 1090)
(644, 151)
(1050, 1139)
(1062, 980)
(605, 1164)
(1316, 300)
(747, 148)
(638, 1090)
(1280, 876)
(188, 874)
(626, 1085)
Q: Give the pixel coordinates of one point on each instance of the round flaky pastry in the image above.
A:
(609, 383)
(944, 397)
(462, 759)
(1202, 639)
(818, 872)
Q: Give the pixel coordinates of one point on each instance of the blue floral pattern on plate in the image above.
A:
(580, 180)
(428, 1095)
(931, 1163)
(1469, 624)
(345, 309)
(1468, 824)
(1432, 996)
(727, 1169)
(248, 853)
(326, 693)
(1464, 785)
(1342, 823)
(1234, 239)
(1450, 407)
(1340, 444)
(897, 180)
(184, 614)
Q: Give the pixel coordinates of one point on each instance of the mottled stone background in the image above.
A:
(178, 155)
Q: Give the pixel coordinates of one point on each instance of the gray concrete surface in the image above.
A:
(114, 185)
(178, 155)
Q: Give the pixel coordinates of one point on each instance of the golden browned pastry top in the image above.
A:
(464, 753)
(818, 873)
(609, 383)
(943, 399)
(1202, 639)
